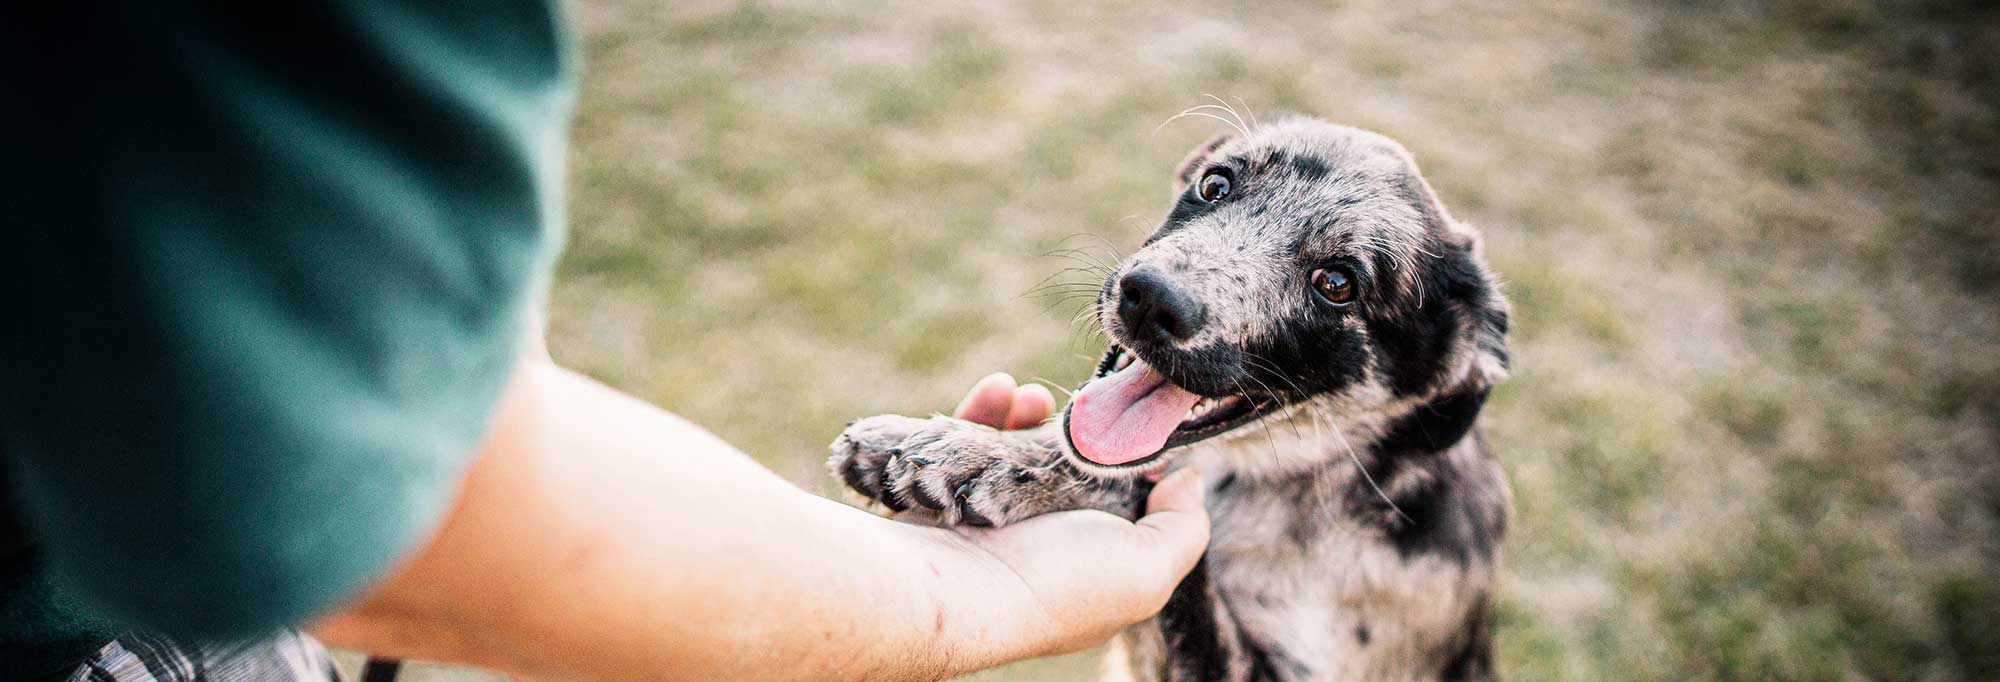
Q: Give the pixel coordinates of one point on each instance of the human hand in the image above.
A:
(997, 402)
(1065, 581)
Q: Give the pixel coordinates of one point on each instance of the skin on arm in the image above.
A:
(598, 537)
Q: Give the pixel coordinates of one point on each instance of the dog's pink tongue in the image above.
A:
(1127, 415)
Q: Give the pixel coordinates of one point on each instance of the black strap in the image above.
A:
(381, 670)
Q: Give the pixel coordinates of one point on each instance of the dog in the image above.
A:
(1313, 330)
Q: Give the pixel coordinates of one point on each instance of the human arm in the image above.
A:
(598, 537)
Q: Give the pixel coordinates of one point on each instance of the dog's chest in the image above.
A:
(1321, 596)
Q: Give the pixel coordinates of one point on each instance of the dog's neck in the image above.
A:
(1433, 426)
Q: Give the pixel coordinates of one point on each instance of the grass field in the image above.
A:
(1753, 248)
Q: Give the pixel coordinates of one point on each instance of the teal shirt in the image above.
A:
(268, 270)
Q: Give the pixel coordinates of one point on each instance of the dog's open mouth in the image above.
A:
(1129, 413)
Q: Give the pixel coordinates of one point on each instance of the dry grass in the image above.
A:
(1753, 250)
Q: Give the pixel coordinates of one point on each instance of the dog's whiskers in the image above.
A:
(1365, 476)
(1233, 113)
(1086, 258)
(1069, 270)
(1273, 369)
(1063, 293)
(1116, 255)
(1401, 261)
(1246, 109)
(1203, 114)
(1263, 424)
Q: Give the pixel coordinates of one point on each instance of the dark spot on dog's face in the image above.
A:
(1309, 168)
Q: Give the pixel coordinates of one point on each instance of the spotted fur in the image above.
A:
(1357, 522)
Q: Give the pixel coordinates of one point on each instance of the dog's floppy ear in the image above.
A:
(1470, 285)
(1449, 230)
(1463, 237)
(1184, 174)
(1476, 293)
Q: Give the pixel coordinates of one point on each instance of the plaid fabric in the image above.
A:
(288, 657)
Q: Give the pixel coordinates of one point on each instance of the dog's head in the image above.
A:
(1304, 261)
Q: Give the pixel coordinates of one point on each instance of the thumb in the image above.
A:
(1176, 521)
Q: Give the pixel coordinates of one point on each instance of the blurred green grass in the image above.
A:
(1753, 249)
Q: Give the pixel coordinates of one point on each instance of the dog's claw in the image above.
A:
(889, 499)
(972, 517)
(966, 514)
(924, 498)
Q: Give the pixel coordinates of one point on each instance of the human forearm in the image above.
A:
(598, 537)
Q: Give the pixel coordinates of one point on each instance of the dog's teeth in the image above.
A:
(1124, 360)
(1201, 407)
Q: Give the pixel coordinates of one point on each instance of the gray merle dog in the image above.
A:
(1315, 332)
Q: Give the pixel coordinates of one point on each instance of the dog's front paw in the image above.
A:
(963, 472)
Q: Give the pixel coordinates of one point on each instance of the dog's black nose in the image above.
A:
(1154, 309)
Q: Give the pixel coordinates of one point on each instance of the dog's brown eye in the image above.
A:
(1334, 285)
(1214, 186)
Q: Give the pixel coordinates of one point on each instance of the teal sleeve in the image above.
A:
(272, 271)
